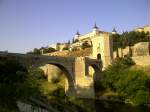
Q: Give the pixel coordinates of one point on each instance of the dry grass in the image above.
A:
(85, 52)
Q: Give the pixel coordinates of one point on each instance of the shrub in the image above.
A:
(66, 48)
(132, 85)
(85, 45)
(48, 50)
(115, 70)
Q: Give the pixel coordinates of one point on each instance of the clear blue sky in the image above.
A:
(28, 24)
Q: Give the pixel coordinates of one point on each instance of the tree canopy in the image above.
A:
(41, 50)
(129, 39)
(132, 85)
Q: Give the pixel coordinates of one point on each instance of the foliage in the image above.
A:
(113, 72)
(76, 40)
(116, 41)
(12, 75)
(58, 92)
(36, 51)
(48, 50)
(41, 50)
(16, 83)
(8, 71)
(66, 48)
(85, 45)
(129, 39)
(132, 85)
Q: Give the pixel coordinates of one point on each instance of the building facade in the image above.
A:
(144, 29)
(100, 42)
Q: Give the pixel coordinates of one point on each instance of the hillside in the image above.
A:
(85, 52)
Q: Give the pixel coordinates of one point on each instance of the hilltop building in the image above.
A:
(145, 29)
(100, 42)
(59, 46)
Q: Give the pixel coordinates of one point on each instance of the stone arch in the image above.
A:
(96, 71)
(69, 88)
(99, 56)
(96, 76)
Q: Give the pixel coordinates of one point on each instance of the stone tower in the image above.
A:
(76, 35)
(102, 47)
(95, 29)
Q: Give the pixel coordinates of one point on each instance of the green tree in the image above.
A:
(66, 48)
(132, 85)
(116, 41)
(129, 38)
(36, 51)
(76, 40)
(15, 84)
(85, 45)
(48, 50)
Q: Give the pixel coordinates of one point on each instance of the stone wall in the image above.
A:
(102, 45)
(140, 53)
(84, 84)
(145, 29)
(142, 60)
(139, 49)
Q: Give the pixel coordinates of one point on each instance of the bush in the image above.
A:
(85, 45)
(76, 40)
(48, 50)
(59, 92)
(115, 70)
(132, 85)
(65, 48)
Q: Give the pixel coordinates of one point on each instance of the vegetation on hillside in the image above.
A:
(41, 50)
(129, 39)
(85, 45)
(132, 86)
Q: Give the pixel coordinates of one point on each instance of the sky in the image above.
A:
(29, 24)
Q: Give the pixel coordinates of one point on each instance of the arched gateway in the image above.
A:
(80, 84)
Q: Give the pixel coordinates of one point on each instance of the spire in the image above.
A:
(114, 31)
(77, 33)
(95, 29)
(95, 26)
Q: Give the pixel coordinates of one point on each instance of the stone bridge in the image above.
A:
(76, 69)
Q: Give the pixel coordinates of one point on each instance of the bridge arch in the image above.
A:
(94, 71)
(69, 86)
